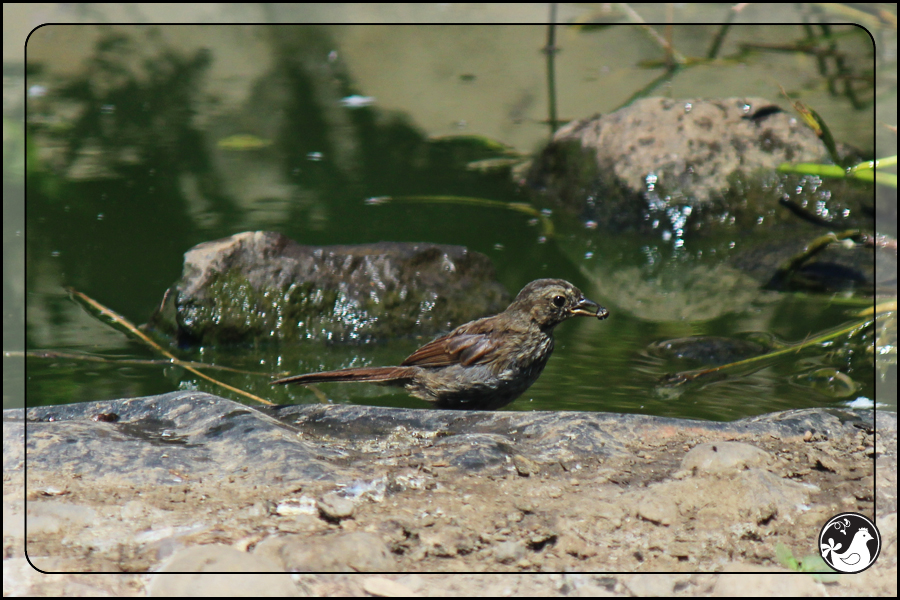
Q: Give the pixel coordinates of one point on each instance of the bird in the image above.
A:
(484, 364)
(856, 557)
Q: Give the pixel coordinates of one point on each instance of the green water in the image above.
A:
(121, 240)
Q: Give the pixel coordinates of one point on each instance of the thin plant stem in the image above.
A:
(53, 354)
(688, 376)
(129, 327)
(523, 207)
(550, 50)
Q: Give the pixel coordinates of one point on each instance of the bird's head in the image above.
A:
(549, 302)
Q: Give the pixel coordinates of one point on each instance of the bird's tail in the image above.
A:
(371, 374)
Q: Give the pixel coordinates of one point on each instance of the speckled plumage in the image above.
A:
(486, 363)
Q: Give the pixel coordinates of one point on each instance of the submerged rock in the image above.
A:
(707, 350)
(261, 286)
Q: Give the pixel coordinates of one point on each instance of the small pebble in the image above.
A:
(333, 507)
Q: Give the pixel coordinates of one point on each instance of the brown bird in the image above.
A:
(486, 363)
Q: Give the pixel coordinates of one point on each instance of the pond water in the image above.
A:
(143, 143)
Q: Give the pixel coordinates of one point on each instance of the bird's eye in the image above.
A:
(559, 301)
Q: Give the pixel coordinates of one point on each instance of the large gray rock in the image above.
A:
(658, 163)
(261, 286)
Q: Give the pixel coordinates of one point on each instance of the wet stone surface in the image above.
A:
(360, 488)
(710, 161)
(257, 287)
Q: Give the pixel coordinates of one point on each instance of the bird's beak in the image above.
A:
(589, 308)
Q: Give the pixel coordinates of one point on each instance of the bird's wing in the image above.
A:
(458, 347)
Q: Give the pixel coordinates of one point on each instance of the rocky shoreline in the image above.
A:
(195, 483)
